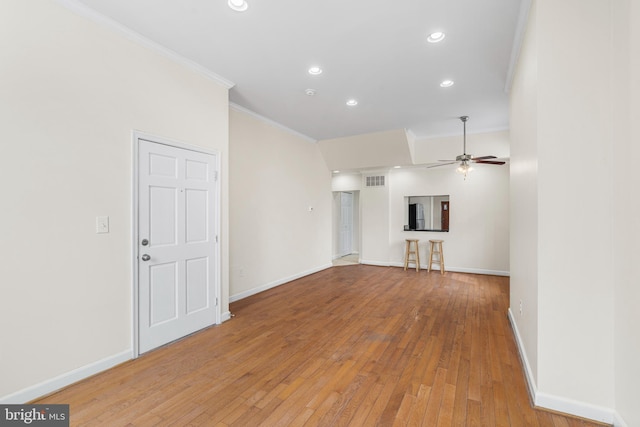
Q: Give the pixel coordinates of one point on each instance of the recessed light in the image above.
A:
(238, 5)
(446, 83)
(352, 103)
(436, 37)
(336, 171)
(397, 167)
(310, 92)
(315, 71)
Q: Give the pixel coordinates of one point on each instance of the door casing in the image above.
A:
(135, 237)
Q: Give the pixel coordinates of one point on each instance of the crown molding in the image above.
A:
(518, 39)
(86, 12)
(242, 109)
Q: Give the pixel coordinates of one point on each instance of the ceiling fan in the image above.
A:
(466, 159)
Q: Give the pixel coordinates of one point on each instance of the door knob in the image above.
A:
(144, 242)
(146, 257)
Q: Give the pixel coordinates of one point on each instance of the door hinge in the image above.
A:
(215, 176)
(216, 238)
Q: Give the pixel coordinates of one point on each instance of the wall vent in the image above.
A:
(375, 181)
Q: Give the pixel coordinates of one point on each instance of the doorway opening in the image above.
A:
(346, 228)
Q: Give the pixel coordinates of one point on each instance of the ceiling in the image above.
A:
(374, 51)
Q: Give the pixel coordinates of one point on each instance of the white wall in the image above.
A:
(72, 92)
(478, 237)
(374, 223)
(574, 272)
(524, 198)
(569, 110)
(371, 150)
(275, 177)
(346, 182)
(478, 240)
(626, 212)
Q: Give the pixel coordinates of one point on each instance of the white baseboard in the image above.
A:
(528, 372)
(225, 316)
(376, 263)
(477, 271)
(559, 403)
(49, 386)
(447, 268)
(618, 421)
(275, 283)
(573, 407)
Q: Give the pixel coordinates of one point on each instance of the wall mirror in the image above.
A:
(426, 213)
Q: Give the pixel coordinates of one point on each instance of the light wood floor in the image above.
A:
(348, 346)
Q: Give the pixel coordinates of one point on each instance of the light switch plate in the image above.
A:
(102, 224)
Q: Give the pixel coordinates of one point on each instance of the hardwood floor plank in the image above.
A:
(474, 413)
(500, 408)
(487, 407)
(362, 412)
(350, 399)
(348, 346)
(560, 421)
(419, 407)
(302, 418)
(381, 402)
(445, 417)
(460, 401)
(435, 399)
(323, 409)
(404, 411)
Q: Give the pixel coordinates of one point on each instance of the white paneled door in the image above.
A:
(177, 289)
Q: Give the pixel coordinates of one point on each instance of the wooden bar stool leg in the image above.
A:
(436, 255)
(406, 254)
(430, 256)
(415, 252)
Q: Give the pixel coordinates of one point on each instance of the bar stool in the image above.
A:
(415, 252)
(436, 254)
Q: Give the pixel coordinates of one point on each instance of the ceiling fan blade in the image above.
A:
(441, 164)
(450, 160)
(489, 162)
(484, 158)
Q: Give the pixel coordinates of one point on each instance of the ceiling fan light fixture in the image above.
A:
(238, 5)
(436, 37)
(464, 168)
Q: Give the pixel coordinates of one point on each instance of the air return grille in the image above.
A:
(375, 181)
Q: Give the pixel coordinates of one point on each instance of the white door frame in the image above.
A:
(135, 238)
